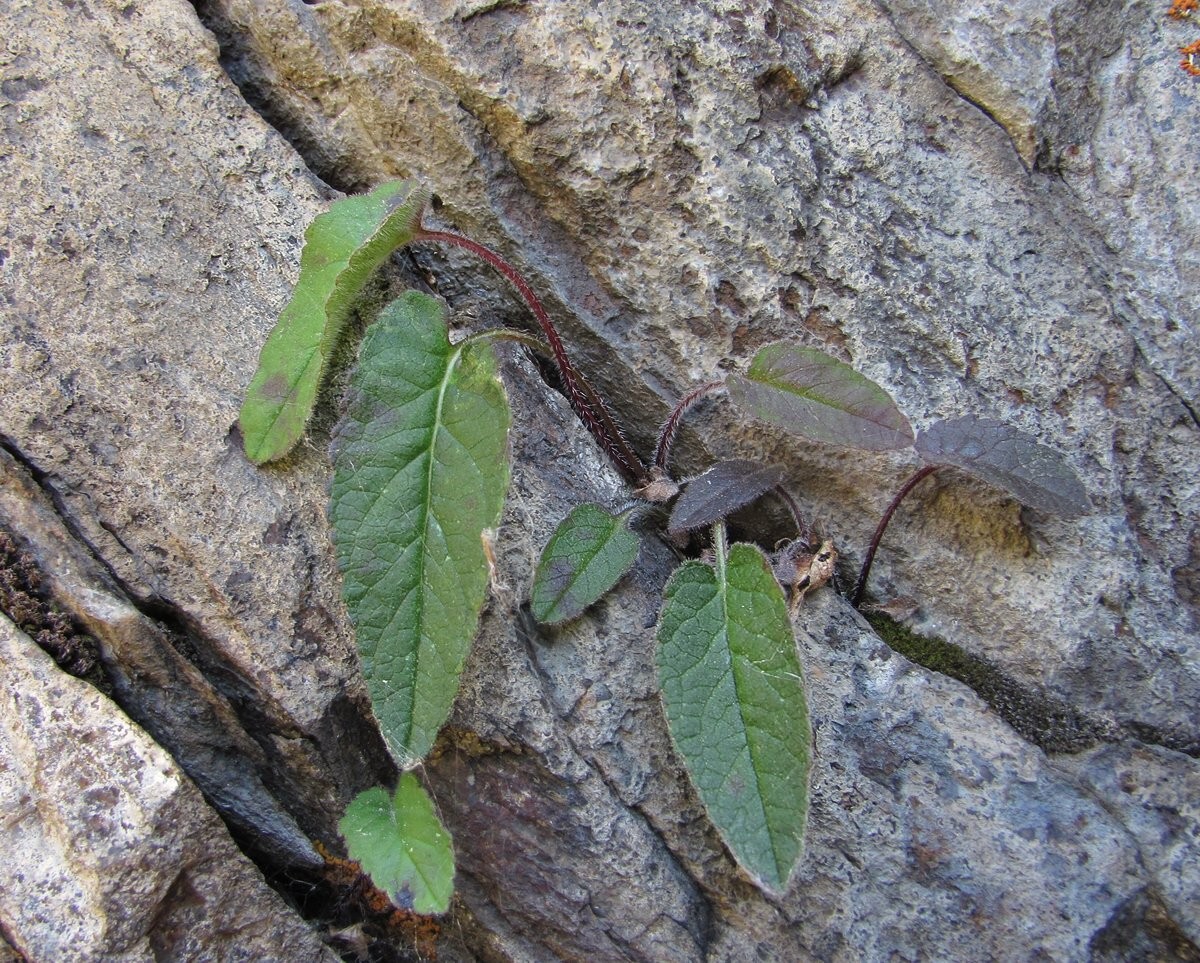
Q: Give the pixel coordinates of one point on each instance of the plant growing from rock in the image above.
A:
(420, 474)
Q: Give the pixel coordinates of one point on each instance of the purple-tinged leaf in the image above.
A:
(724, 488)
(587, 555)
(811, 394)
(1010, 459)
(402, 845)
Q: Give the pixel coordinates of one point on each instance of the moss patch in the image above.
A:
(1047, 722)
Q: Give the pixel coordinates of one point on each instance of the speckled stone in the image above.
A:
(1010, 236)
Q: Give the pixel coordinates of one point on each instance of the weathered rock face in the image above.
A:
(989, 211)
(112, 853)
(693, 182)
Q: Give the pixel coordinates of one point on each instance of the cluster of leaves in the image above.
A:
(420, 475)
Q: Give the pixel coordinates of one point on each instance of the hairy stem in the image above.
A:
(662, 451)
(587, 404)
(507, 334)
(907, 487)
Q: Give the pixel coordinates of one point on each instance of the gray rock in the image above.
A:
(161, 690)
(682, 183)
(689, 184)
(112, 854)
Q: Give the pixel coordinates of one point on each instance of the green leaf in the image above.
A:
(1008, 458)
(811, 394)
(585, 557)
(402, 845)
(341, 249)
(735, 704)
(421, 467)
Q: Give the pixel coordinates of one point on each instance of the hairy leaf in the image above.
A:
(811, 394)
(341, 249)
(420, 472)
(735, 703)
(402, 845)
(1010, 459)
(723, 489)
(585, 557)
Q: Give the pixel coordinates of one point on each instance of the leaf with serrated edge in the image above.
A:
(341, 249)
(402, 845)
(734, 696)
(720, 491)
(586, 556)
(420, 472)
(1008, 458)
(816, 396)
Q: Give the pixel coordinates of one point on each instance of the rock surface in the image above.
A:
(1010, 234)
(693, 182)
(112, 854)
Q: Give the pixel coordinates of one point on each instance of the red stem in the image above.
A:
(802, 530)
(586, 403)
(662, 451)
(908, 486)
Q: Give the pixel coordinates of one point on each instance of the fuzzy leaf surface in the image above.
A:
(816, 396)
(402, 845)
(735, 702)
(421, 468)
(1007, 458)
(342, 247)
(723, 489)
(586, 556)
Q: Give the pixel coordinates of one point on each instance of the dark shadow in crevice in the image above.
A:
(1049, 723)
(237, 59)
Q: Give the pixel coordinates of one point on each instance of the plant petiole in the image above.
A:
(666, 436)
(908, 486)
(587, 404)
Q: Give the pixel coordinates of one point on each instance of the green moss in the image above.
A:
(1047, 722)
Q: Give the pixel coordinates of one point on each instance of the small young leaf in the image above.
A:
(724, 488)
(811, 394)
(341, 249)
(420, 472)
(402, 845)
(585, 557)
(735, 703)
(1010, 459)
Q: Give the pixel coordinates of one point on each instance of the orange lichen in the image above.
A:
(397, 925)
(1183, 10)
(1190, 53)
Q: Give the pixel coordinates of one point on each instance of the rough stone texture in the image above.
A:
(690, 182)
(110, 852)
(154, 682)
(988, 211)
(133, 296)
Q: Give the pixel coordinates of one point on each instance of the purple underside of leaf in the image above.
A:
(586, 556)
(808, 392)
(722, 489)
(1008, 458)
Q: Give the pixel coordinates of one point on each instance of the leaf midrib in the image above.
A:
(723, 583)
(589, 558)
(427, 512)
(827, 401)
